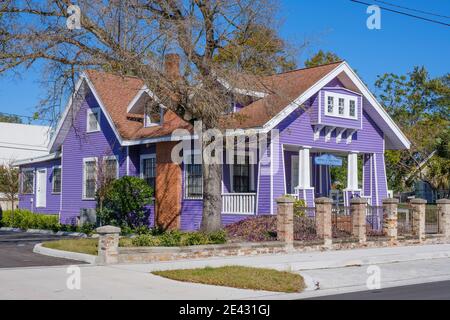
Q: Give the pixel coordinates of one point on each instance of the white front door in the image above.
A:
(41, 188)
(294, 173)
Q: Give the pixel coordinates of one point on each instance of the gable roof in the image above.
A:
(285, 87)
(280, 95)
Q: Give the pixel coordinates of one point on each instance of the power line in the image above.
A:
(411, 9)
(405, 14)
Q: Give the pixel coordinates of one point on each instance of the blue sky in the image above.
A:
(334, 25)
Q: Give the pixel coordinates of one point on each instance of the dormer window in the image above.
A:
(93, 120)
(346, 105)
(153, 116)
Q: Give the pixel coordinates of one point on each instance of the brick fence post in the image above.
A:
(390, 218)
(323, 220)
(444, 216)
(108, 244)
(285, 221)
(358, 209)
(418, 219)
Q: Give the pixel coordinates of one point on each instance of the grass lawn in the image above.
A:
(88, 246)
(239, 277)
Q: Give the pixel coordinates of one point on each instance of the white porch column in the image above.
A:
(304, 170)
(352, 171)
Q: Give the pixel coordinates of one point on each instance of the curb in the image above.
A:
(41, 231)
(83, 257)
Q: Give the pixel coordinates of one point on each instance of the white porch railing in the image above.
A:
(239, 203)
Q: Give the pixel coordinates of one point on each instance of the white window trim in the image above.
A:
(145, 157)
(147, 120)
(83, 191)
(22, 180)
(252, 159)
(53, 179)
(116, 158)
(41, 205)
(186, 155)
(294, 166)
(88, 113)
(347, 99)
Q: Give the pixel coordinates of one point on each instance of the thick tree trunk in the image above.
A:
(212, 198)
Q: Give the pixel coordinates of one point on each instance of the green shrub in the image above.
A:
(87, 228)
(178, 239)
(299, 206)
(25, 219)
(126, 203)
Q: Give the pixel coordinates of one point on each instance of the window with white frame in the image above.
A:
(153, 116)
(148, 170)
(352, 108)
(341, 106)
(28, 181)
(330, 106)
(93, 120)
(193, 176)
(89, 178)
(346, 105)
(242, 174)
(56, 180)
(111, 170)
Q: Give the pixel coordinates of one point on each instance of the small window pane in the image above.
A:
(241, 176)
(194, 181)
(90, 182)
(56, 180)
(352, 111)
(93, 124)
(341, 106)
(28, 182)
(149, 172)
(330, 104)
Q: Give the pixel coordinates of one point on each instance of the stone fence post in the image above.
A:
(108, 244)
(358, 209)
(323, 220)
(444, 216)
(285, 221)
(418, 219)
(390, 218)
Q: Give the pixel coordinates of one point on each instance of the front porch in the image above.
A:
(306, 174)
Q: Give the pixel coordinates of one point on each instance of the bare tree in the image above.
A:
(9, 183)
(131, 38)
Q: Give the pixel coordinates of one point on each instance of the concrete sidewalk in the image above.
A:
(400, 266)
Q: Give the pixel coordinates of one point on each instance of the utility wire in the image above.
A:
(405, 13)
(411, 9)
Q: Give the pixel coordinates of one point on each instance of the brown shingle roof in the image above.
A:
(285, 87)
(116, 92)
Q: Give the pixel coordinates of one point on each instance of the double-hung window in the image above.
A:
(330, 104)
(148, 170)
(352, 108)
(110, 168)
(93, 120)
(341, 106)
(89, 178)
(28, 181)
(193, 176)
(56, 180)
(242, 175)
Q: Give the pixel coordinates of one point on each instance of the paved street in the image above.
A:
(425, 291)
(16, 250)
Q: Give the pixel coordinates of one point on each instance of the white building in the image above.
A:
(21, 141)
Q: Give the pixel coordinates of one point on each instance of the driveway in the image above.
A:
(16, 250)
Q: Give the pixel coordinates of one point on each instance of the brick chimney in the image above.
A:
(172, 66)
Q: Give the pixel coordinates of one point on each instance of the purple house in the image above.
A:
(325, 116)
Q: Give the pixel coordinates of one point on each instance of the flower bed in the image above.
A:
(264, 228)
